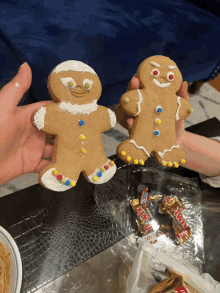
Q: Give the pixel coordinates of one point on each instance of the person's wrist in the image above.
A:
(180, 140)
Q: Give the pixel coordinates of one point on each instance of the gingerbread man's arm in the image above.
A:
(45, 119)
(130, 102)
(106, 117)
(183, 109)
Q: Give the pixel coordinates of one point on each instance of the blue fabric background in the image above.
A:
(111, 36)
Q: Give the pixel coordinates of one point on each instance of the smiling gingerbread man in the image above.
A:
(77, 123)
(156, 108)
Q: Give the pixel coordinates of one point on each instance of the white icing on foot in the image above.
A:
(179, 105)
(39, 118)
(166, 151)
(112, 117)
(51, 182)
(140, 98)
(79, 109)
(140, 147)
(73, 65)
(162, 85)
(17, 84)
(106, 175)
(155, 64)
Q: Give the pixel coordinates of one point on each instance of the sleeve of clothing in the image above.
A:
(215, 180)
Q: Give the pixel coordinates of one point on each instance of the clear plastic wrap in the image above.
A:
(108, 270)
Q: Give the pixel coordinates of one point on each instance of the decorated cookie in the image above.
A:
(77, 123)
(156, 108)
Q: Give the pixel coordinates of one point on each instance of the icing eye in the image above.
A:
(87, 83)
(170, 76)
(155, 72)
(68, 81)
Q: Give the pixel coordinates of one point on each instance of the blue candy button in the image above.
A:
(159, 109)
(156, 132)
(81, 123)
(67, 183)
(99, 174)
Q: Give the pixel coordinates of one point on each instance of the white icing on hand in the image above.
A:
(155, 64)
(140, 147)
(51, 182)
(112, 117)
(39, 118)
(79, 109)
(140, 98)
(166, 151)
(171, 67)
(17, 84)
(179, 105)
(162, 85)
(106, 175)
(73, 65)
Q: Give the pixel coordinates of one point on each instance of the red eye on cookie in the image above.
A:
(155, 72)
(170, 76)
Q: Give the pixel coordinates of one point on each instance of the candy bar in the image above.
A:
(182, 234)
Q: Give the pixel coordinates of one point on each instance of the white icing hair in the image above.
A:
(73, 65)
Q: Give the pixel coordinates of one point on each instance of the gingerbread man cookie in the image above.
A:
(156, 108)
(77, 123)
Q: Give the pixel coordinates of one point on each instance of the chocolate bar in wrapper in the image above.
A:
(172, 206)
(143, 217)
(182, 234)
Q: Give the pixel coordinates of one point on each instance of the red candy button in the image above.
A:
(106, 167)
(59, 177)
(155, 72)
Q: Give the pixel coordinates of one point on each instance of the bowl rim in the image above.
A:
(18, 257)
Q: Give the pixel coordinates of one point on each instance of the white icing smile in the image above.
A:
(162, 85)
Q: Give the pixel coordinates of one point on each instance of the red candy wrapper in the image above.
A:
(143, 217)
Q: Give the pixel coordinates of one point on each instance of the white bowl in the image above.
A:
(16, 264)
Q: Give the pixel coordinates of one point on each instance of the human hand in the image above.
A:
(22, 146)
(134, 84)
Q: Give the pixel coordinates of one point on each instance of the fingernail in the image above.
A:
(22, 66)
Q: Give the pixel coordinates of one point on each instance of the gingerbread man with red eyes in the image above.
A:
(77, 123)
(156, 108)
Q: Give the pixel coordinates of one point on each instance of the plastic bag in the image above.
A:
(141, 274)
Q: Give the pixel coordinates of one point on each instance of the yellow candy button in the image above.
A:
(176, 165)
(164, 163)
(83, 151)
(72, 183)
(55, 172)
(95, 178)
(183, 161)
(123, 153)
(142, 162)
(157, 121)
(82, 136)
(135, 161)
(128, 159)
(170, 164)
(112, 163)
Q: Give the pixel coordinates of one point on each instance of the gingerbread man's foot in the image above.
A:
(132, 153)
(171, 157)
(103, 173)
(53, 180)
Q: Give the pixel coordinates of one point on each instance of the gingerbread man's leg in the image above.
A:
(133, 152)
(60, 175)
(102, 172)
(170, 155)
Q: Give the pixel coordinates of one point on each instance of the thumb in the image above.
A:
(183, 91)
(12, 93)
